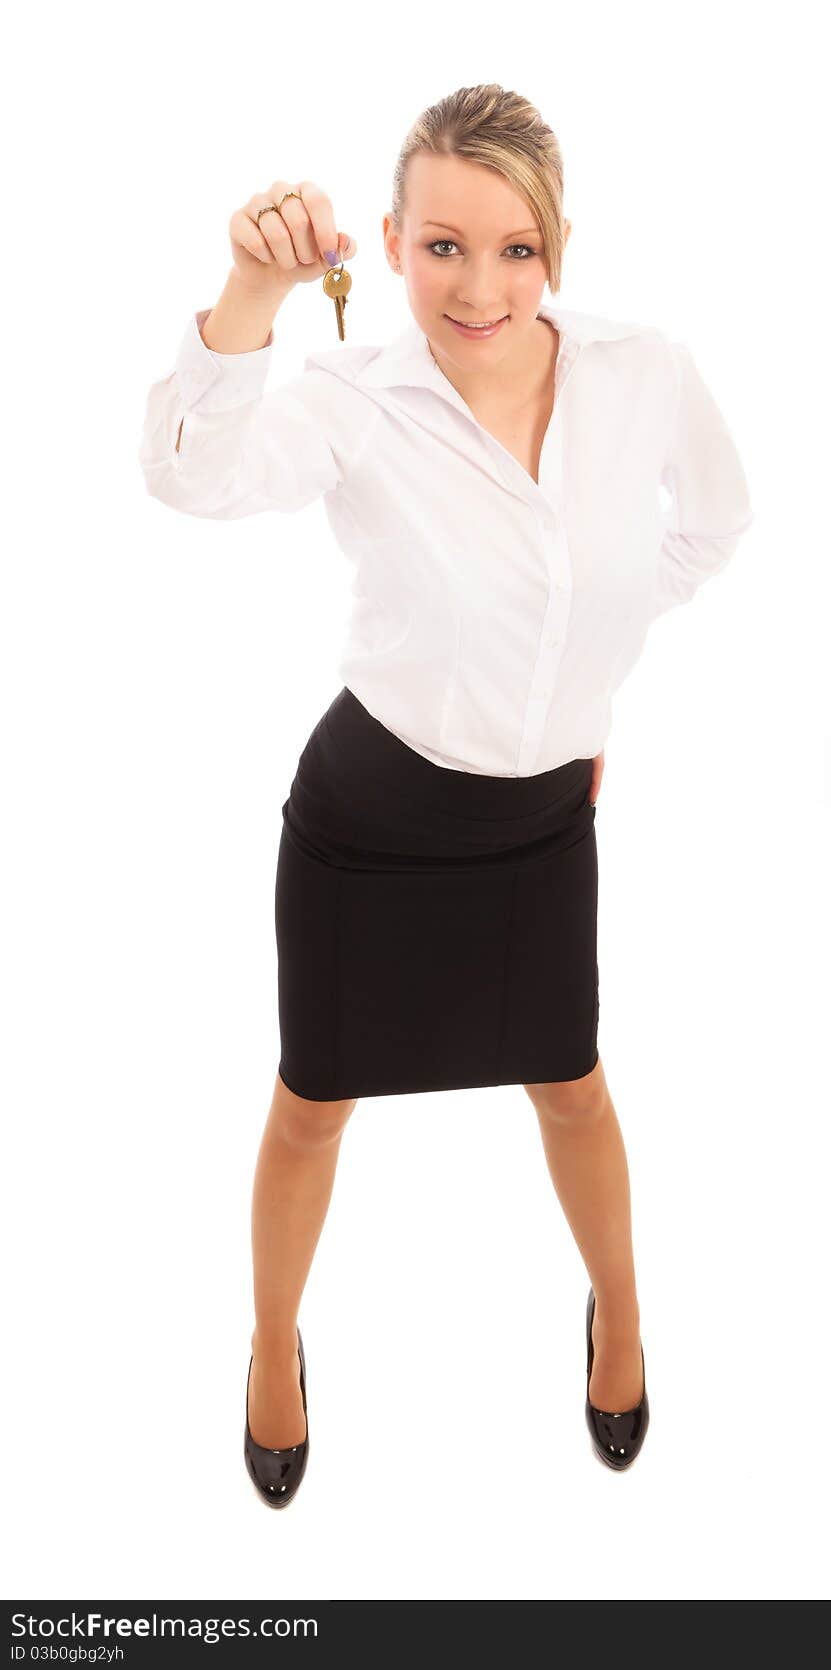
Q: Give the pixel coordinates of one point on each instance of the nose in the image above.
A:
(480, 299)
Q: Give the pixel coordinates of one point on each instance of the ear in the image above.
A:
(567, 232)
(392, 243)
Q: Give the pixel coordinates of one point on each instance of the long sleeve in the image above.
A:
(709, 499)
(242, 451)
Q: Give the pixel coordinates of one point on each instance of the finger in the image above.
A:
(273, 227)
(321, 223)
(296, 212)
(245, 231)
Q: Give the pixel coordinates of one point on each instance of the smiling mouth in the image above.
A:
(477, 324)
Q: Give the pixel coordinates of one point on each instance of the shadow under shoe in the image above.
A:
(617, 1439)
(276, 1474)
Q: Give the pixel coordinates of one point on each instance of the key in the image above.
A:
(337, 284)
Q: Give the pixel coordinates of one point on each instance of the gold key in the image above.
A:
(337, 284)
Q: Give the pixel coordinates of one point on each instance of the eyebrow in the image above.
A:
(448, 228)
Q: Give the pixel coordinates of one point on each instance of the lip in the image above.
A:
(469, 334)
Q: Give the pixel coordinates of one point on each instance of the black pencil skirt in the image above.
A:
(436, 929)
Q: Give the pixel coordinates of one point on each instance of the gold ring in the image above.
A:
(277, 206)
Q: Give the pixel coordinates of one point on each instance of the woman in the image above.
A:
(494, 475)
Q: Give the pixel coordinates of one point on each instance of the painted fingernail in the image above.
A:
(332, 256)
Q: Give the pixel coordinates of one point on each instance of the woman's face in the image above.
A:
(469, 250)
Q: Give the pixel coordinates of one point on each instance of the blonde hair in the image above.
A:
(504, 131)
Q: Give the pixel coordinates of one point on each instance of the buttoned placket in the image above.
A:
(547, 503)
(552, 524)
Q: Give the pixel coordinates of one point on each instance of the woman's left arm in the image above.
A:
(710, 502)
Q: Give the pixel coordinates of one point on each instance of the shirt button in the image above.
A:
(551, 642)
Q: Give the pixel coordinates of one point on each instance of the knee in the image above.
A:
(307, 1124)
(572, 1101)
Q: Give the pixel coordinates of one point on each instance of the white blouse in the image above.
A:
(493, 618)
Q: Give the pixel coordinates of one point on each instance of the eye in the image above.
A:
(437, 242)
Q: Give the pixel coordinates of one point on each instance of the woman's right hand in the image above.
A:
(288, 247)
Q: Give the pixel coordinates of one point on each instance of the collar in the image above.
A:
(407, 360)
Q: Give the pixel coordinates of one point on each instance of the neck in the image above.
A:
(514, 386)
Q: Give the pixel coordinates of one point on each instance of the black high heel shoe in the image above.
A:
(276, 1474)
(617, 1439)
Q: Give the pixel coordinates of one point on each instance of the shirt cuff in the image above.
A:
(212, 382)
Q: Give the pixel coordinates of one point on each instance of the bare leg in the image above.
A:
(293, 1185)
(587, 1163)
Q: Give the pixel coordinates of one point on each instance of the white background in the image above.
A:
(160, 677)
